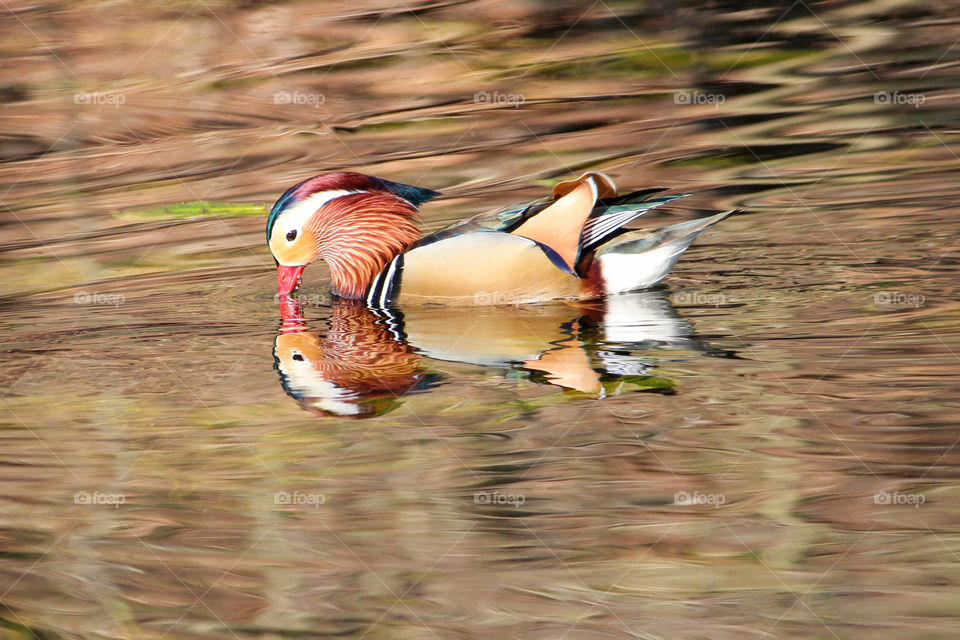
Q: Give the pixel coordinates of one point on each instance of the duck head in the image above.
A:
(355, 222)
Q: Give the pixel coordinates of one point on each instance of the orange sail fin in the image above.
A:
(605, 186)
(559, 226)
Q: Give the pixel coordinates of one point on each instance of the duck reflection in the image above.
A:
(364, 360)
(358, 366)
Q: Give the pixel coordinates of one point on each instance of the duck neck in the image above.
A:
(359, 235)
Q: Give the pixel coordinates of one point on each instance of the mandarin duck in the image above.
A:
(570, 246)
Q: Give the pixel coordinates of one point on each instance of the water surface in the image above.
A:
(766, 447)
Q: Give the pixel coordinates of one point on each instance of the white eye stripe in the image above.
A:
(294, 218)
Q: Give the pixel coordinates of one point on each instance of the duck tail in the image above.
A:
(640, 259)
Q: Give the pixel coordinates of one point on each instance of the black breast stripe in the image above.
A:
(374, 291)
(385, 287)
(391, 285)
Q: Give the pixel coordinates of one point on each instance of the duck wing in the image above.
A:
(557, 224)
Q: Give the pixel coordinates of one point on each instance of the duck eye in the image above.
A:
(298, 357)
(291, 235)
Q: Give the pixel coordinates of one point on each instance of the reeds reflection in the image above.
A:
(359, 362)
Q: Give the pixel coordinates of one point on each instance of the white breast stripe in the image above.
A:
(373, 289)
(388, 282)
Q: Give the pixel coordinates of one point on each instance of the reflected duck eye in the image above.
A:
(291, 235)
(298, 357)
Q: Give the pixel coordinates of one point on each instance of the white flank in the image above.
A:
(624, 272)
